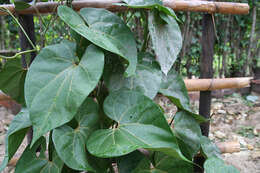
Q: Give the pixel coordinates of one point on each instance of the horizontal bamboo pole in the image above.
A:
(177, 5)
(229, 147)
(217, 84)
(3, 96)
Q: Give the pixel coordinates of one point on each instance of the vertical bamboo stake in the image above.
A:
(206, 71)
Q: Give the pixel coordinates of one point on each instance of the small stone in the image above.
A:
(244, 115)
(255, 155)
(222, 111)
(217, 106)
(250, 147)
(255, 132)
(231, 112)
(230, 118)
(7, 121)
(220, 134)
(242, 142)
(211, 137)
(2, 139)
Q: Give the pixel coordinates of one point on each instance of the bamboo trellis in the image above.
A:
(177, 5)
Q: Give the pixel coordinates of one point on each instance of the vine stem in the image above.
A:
(30, 41)
(146, 31)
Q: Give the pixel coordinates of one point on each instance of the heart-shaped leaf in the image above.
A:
(166, 39)
(141, 124)
(12, 78)
(188, 132)
(174, 88)
(56, 84)
(209, 149)
(216, 165)
(133, 162)
(169, 164)
(164, 164)
(15, 135)
(29, 162)
(147, 79)
(104, 29)
(71, 143)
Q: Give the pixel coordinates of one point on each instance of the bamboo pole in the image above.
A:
(216, 84)
(4, 97)
(177, 5)
(229, 147)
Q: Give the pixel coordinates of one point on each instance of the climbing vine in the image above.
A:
(90, 100)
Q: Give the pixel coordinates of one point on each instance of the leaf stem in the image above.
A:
(17, 54)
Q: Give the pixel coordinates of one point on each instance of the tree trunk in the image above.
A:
(223, 70)
(252, 34)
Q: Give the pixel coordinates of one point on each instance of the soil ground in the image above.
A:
(233, 119)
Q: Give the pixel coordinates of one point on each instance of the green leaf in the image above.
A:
(188, 131)
(82, 43)
(165, 164)
(71, 143)
(104, 29)
(21, 5)
(133, 162)
(166, 39)
(209, 149)
(174, 88)
(141, 124)
(56, 84)
(15, 135)
(66, 169)
(30, 163)
(12, 78)
(151, 4)
(216, 165)
(170, 164)
(147, 79)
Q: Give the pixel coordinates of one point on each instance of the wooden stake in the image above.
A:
(177, 5)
